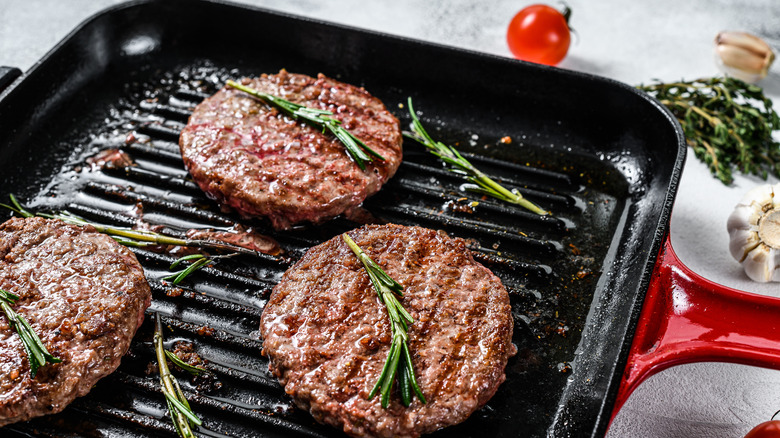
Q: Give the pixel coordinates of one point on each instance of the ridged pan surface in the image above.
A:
(600, 156)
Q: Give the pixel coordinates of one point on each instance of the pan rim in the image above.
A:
(662, 223)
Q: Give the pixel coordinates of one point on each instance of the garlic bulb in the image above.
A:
(754, 227)
(743, 56)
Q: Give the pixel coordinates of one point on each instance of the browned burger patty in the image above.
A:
(248, 156)
(327, 334)
(82, 293)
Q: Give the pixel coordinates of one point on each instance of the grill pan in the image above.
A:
(604, 158)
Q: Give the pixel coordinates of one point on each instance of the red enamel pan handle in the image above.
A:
(687, 318)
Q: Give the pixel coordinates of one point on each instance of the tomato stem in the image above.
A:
(566, 12)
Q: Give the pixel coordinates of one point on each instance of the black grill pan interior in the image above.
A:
(603, 158)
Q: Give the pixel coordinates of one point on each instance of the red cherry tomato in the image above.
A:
(539, 33)
(767, 429)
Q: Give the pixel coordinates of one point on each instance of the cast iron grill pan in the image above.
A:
(137, 103)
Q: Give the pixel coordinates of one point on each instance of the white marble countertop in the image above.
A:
(633, 42)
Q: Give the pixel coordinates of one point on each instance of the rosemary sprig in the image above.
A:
(37, 354)
(482, 183)
(195, 371)
(200, 261)
(359, 151)
(182, 415)
(143, 238)
(129, 236)
(399, 360)
(16, 207)
(727, 122)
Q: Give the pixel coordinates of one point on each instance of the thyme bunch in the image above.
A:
(398, 365)
(482, 183)
(727, 122)
(356, 149)
(37, 354)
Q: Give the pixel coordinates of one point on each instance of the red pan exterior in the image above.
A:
(687, 318)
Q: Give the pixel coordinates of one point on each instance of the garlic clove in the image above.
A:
(764, 194)
(754, 233)
(742, 242)
(743, 56)
(776, 271)
(762, 264)
(744, 217)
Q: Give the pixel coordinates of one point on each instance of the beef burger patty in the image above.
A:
(250, 157)
(327, 334)
(82, 293)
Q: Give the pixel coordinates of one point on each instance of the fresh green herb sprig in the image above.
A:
(481, 183)
(184, 419)
(128, 236)
(16, 207)
(37, 354)
(399, 361)
(356, 148)
(195, 371)
(727, 122)
(142, 238)
(198, 261)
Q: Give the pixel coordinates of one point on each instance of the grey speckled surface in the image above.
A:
(632, 42)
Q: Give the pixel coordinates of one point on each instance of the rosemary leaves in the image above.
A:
(481, 183)
(142, 238)
(128, 236)
(37, 354)
(356, 149)
(398, 365)
(179, 408)
(197, 261)
(727, 122)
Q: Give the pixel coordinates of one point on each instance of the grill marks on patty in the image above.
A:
(253, 159)
(327, 334)
(82, 293)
